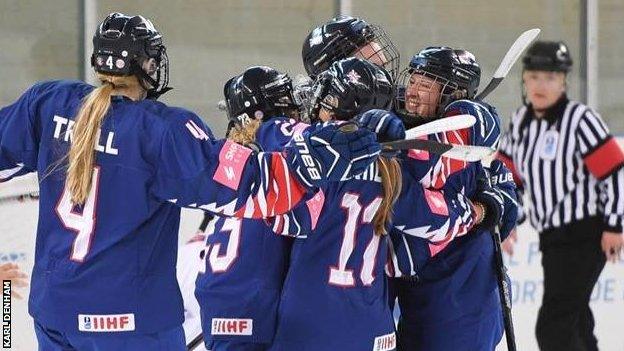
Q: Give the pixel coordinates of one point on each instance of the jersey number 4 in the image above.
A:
(339, 275)
(83, 222)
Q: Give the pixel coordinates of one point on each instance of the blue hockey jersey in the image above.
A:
(240, 284)
(335, 292)
(456, 178)
(454, 304)
(109, 266)
(425, 222)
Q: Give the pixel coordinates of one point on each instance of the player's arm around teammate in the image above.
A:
(244, 263)
(441, 82)
(114, 166)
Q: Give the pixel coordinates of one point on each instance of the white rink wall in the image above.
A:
(18, 226)
(607, 301)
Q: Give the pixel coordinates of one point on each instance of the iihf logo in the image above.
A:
(87, 323)
(549, 145)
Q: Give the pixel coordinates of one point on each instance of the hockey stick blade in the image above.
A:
(512, 55)
(441, 125)
(459, 152)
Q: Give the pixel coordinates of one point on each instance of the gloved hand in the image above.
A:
(502, 179)
(385, 124)
(331, 151)
(489, 197)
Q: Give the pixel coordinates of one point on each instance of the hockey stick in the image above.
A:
(510, 58)
(459, 152)
(195, 342)
(504, 292)
(20, 198)
(441, 125)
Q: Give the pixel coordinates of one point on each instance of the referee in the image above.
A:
(562, 154)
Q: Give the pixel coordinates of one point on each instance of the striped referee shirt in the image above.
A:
(569, 164)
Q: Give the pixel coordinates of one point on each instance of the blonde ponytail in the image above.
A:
(391, 183)
(86, 131)
(245, 134)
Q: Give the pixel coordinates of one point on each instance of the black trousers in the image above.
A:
(572, 261)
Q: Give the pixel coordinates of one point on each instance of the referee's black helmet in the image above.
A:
(548, 56)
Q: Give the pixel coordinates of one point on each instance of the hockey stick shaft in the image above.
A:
(19, 198)
(418, 144)
(504, 292)
(460, 152)
(441, 125)
(512, 55)
(195, 342)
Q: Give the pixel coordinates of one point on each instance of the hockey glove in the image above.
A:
(502, 179)
(385, 124)
(491, 198)
(331, 152)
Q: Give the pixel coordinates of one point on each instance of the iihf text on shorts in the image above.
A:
(6, 314)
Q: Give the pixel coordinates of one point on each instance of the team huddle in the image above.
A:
(318, 226)
(329, 280)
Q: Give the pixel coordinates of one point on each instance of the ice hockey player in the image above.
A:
(245, 263)
(114, 167)
(454, 303)
(335, 291)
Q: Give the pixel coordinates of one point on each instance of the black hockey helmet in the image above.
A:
(131, 45)
(346, 36)
(547, 56)
(260, 93)
(456, 70)
(350, 87)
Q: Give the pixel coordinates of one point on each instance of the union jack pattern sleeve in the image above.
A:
(221, 176)
(425, 222)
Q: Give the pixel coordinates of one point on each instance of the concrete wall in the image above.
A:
(38, 40)
(210, 41)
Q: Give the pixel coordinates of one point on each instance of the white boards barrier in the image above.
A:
(17, 232)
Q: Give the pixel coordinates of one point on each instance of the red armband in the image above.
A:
(509, 163)
(604, 159)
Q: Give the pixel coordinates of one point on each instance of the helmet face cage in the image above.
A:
(345, 37)
(318, 92)
(378, 49)
(302, 95)
(159, 79)
(406, 85)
